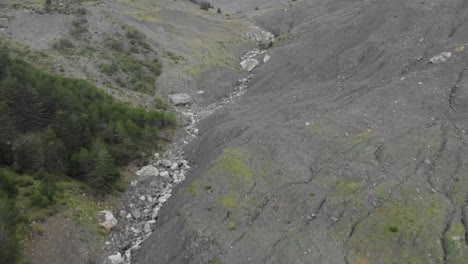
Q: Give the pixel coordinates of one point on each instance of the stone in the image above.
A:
(164, 174)
(166, 163)
(129, 216)
(174, 166)
(136, 214)
(133, 183)
(134, 230)
(443, 57)
(147, 228)
(266, 58)
(116, 259)
(147, 171)
(106, 219)
(249, 64)
(122, 213)
(142, 198)
(180, 99)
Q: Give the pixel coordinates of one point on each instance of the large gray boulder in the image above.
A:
(116, 259)
(249, 64)
(147, 171)
(106, 220)
(180, 99)
(442, 57)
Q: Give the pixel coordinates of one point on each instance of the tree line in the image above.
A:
(54, 127)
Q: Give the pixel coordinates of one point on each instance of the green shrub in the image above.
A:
(108, 69)
(7, 183)
(232, 226)
(160, 103)
(112, 43)
(393, 229)
(64, 45)
(37, 199)
(9, 244)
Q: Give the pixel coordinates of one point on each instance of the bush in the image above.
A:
(205, 5)
(112, 43)
(9, 246)
(63, 44)
(159, 103)
(108, 69)
(7, 183)
(37, 199)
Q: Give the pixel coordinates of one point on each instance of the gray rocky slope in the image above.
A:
(349, 145)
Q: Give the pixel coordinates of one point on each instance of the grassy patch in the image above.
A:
(232, 225)
(193, 190)
(232, 164)
(391, 231)
(347, 188)
(229, 202)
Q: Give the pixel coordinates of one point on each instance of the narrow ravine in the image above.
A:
(146, 196)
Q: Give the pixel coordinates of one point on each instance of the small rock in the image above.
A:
(147, 228)
(266, 58)
(180, 99)
(443, 57)
(200, 92)
(129, 216)
(147, 171)
(142, 198)
(106, 219)
(174, 166)
(133, 183)
(116, 259)
(166, 163)
(136, 214)
(122, 213)
(164, 174)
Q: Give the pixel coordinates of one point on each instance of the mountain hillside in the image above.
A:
(348, 147)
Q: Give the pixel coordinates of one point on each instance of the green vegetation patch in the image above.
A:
(404, 228)
(232, 164)
(347, 188)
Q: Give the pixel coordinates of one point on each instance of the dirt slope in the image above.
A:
(349, 147)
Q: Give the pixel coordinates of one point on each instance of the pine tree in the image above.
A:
(104, 173)
(54, 153)
(81, 163)
(26, 107)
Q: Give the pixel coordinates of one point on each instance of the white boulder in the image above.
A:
(106, 219)
(164, 174)
(443, 57)
(180, 99)
(249, 64)
(147, 171)
(116, 259)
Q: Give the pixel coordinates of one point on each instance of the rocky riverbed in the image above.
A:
(135, 218)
